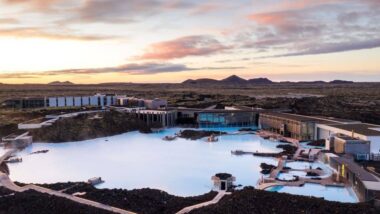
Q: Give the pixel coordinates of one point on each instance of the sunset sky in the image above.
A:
(94, 41)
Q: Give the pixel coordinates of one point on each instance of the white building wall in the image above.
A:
(94, 101)
(61, 101)
(101, 98)
(77, 101)
(375, 144)
(328, 131)
(323, 133)
(109, 100)
(52, 102)
(30, 126)
(69, 101)
(155, 103)
(85, 101)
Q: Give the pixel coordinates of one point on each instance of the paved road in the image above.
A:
(215, 200)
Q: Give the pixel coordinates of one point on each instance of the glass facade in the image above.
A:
(225, 119)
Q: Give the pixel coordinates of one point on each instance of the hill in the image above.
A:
(341, 82)
(260, 81)
(61, 83)
(231, 80)
(200, 81)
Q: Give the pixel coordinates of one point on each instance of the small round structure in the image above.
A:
(223, 181)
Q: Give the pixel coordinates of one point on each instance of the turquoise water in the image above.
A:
(134, 160)
(329, 193)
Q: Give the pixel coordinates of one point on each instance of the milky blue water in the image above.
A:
(134, 160)
(328, 193)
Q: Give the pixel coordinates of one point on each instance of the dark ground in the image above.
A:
(249, 201)
(148, 201)
(152, 201)
(32, 202)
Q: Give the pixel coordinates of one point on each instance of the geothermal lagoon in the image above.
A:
(134, 160)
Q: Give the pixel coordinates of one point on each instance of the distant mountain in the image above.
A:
(231, 80)
(260, 81)
(313, 82)
(61, 83)
(234, 80)
(341, 82)
(201, 81)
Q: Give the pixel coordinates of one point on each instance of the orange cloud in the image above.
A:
(131, 68)
(275, 18)
(39, 33)
(183, 47)
(8, 21)
(36, 4)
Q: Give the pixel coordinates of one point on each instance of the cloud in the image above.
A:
(115, 10)
(123, 11)
(206, 8)
(199, 45)
(131, 68)
(306, 27)
(40, 5)
(334, 48)
(30, 32)
(8, 21)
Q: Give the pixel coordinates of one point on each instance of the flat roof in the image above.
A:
(288, 116)
(372, 185)
(361, 173)
(359, 128)
(306, 118)
(337, 119)
(214, 110)
(346, 137)
(301, 118)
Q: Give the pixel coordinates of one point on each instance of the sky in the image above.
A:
(152, 41)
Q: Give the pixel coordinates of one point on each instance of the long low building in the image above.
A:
(299, 127)
(97, 100)
(227, 117)
(341, 136)
(362, 132)
(78, 101)
(366, 185)
(166, 118)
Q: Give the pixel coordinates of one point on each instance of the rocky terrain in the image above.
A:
(249, 200)
(33, 202)
(89, 126)
(198, 134)
(138, 200)
(146, 201)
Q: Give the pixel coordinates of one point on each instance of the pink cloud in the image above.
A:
(183, 47)
(36, 4)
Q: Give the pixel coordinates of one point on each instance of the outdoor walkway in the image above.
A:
(215, 200)
(6, 155)
(280, 166)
